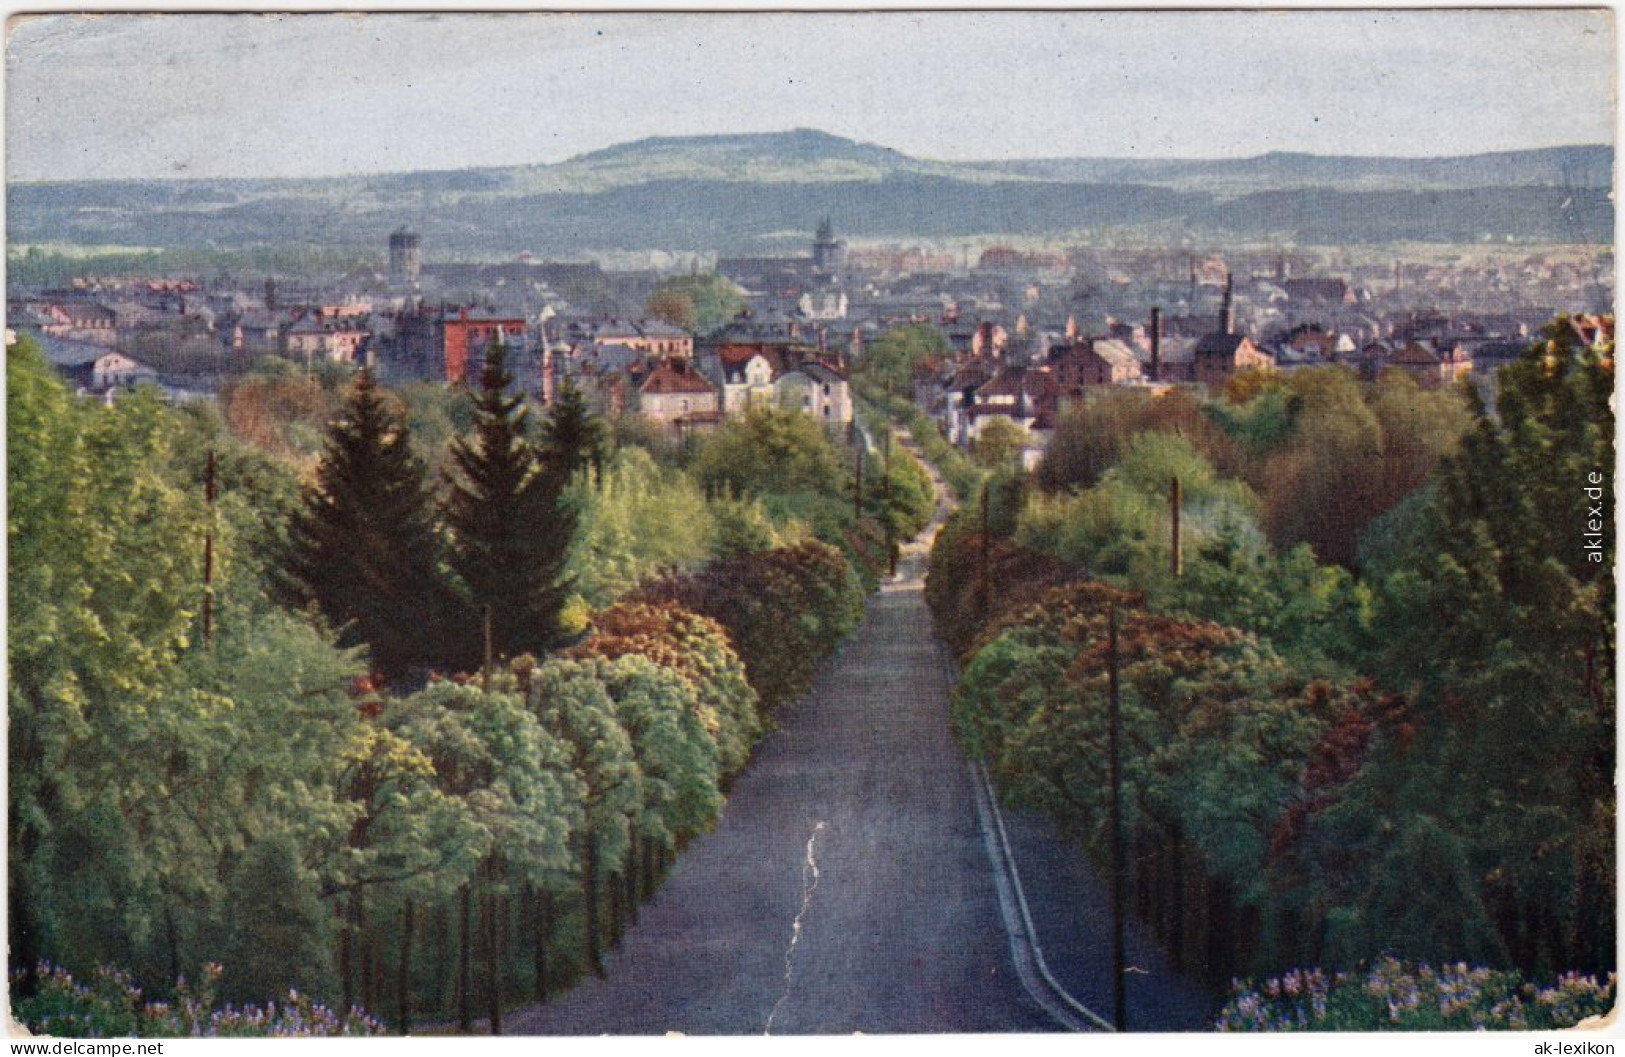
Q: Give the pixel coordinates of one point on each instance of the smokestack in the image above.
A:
(1156, 344)
(1227, 310)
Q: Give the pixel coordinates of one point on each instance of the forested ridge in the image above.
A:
(1367, 704)
(354, 709)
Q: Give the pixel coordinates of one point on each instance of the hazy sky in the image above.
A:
(256, 95)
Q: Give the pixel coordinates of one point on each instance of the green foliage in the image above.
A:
(1324, 453)
(1390, 538)
(1456, 806)
(750, 594)
(769, 451)
(676, 754)
(436, 414)
(786, 466)
(700, 303)
(278, 932)
(642, 520)
(962, 476)
(1263, 423)
(511, 794)
(972, 579)
(1395, 995)
(511, 526)
(1092, 434)
(145, 768)
(112, 1006)
(1217, 733)
(999, 443)
(364, 547)
(1513, 694)
(742, 526)
(104, 573)
(261, 803)
(576, 708)
(1318, 615)
(1122, 527)
(1328, 454)
(889, 362)
(906, 497)
(696, 648)
(571, 436)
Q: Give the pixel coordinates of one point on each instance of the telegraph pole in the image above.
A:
(984, 597)
(1176, 557)
(209, 494)
(857, 488)
(1119, 1003)
(485, 673)
(891, 544)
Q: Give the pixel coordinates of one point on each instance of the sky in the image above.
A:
(127, 96)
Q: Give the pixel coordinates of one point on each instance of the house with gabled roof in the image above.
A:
(1027, 396)
(1218, 356)
(818, 390)
(1097, 361)
(1433, 363)
(745, 373)
(673, 393)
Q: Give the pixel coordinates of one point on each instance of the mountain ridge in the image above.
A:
(730, 192)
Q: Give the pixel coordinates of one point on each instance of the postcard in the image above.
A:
(895, 523)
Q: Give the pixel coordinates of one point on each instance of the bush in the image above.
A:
(697, 648)
(962, 476)
(111, 1005)
(785, 611)
(1406, 996)
(637, 519)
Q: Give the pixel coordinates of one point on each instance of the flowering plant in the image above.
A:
(1399, 996)
(111, 1005)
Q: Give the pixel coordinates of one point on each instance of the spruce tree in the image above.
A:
(364, 546)
(511, 525)
(572, 436)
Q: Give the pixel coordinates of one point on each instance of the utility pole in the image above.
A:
(1176, 549)
(485, 673)
(891, 544)
(983, 596)
(857, 488)
(209, 494)
(1119, 1003)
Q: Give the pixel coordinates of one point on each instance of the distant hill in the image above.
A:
(1559, 167)
(732, 193)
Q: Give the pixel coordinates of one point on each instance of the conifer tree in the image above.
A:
(364, 546)
(571, 435)
(511, 527)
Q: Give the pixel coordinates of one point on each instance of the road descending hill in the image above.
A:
(849, 885)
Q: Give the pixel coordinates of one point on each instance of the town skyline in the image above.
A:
(307, 95)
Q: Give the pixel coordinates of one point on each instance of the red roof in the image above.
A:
(734, 356)
(675, 376)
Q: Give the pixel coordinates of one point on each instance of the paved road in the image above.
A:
(848, 885)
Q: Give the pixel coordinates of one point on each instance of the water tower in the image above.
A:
(405, 259)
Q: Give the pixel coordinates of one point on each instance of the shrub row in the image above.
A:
(752, 596)
(489, 837)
